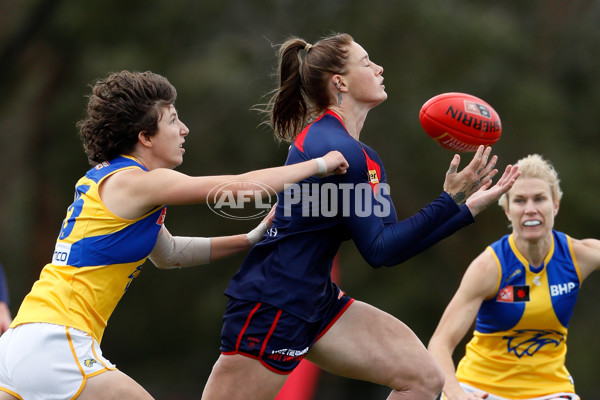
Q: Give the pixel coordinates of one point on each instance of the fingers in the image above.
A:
(484, 170)
(477, 158)
(505, 176)
(512, 173)
(480, 160)
(454, 164)
(268, 219)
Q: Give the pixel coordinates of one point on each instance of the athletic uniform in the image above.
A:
(3, 286)
(97, 255)
(519, 347)
(290, 269)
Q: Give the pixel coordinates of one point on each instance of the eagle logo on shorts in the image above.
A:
(89, 362)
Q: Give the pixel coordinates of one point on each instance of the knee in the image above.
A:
(437, 379)
(431, 379)
(425, 379)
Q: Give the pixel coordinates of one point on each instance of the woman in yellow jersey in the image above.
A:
(133, 138)
(521, 292)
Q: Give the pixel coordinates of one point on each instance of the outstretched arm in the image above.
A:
(131, 193)
(479, 282)
(383, 243)
(476, 203)
(180, 252)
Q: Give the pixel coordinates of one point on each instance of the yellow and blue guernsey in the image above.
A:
(97, 256)
(519, 345)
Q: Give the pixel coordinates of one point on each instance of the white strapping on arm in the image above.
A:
(256, 234)
(179, 251)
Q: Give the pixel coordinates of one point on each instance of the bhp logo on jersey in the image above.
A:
(563, 288)
(241, 200)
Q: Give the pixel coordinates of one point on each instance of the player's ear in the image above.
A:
(338, 83)
(507, 211)
(144, 139)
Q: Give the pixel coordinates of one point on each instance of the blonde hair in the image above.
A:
(535, 166)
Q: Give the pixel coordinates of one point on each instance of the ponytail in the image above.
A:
(303, 74)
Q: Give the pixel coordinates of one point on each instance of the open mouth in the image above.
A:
(532, 223)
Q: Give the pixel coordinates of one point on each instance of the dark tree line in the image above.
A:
(535, 62)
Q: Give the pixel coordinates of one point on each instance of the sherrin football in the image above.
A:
(460, 122)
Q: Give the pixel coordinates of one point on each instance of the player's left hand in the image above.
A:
(488, 195)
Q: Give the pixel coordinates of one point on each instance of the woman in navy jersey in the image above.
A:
(283, 304)
(134, 139)
(520, 291)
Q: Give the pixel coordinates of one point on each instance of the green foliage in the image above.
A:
(533, 61)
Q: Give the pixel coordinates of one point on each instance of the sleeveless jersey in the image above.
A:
(97, 255)
(519, 347)
(291, 267)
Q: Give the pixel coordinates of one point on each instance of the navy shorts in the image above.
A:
(278, 339)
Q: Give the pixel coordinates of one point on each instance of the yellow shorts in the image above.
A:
(42, 361)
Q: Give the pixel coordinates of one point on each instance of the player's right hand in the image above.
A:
(478, 174)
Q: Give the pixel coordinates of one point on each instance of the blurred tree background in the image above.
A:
(536, 62)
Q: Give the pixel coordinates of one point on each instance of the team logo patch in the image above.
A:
(162, 216)
(475, 108)
(89, 362)
(530, 341)
(373, 178)
(102, 165)
(514, 294)
(253, 342)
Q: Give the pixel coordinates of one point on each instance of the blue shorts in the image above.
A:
(278, 339)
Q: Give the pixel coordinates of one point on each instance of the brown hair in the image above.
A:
(303, 76)
(119, 108)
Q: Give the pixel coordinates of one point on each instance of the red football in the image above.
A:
(460, 122)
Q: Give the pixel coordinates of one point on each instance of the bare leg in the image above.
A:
(237, 377)
(6, 396)
(369, 344)
(113, 385)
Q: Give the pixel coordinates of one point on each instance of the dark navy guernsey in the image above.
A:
(291, 267)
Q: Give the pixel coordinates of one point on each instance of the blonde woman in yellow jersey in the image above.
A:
(133, 138)
(521, 292)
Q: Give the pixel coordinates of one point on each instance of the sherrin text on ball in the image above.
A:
(460, 121)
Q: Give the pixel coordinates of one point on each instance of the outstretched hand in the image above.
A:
(488, 195)
(478, 174)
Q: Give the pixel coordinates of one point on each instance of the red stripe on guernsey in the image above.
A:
(299, 141)
(239, 339)
(273, 325)
(374, 171)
